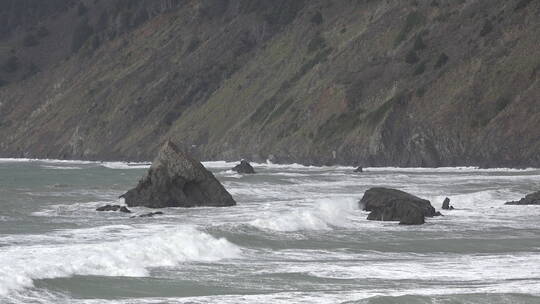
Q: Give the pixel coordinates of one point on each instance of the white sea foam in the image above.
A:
(51, 161)
(448, 169)
(75, 209)
(61, 167)
(446, 268)
(321, 216)
(270, 165)
(219, 164)
(125, 165)
(131, 257)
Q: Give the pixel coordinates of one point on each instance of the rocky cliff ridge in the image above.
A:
(402, 83)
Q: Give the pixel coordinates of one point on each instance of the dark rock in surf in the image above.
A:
(394, 205)
(151, 214)
(175, 179)
(358, 170)
(113, 208)
(124, 209)
(244, 167)
(108, 208)
(530, 199)
(446, 204)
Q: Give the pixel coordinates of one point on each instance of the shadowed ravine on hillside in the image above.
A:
(401, 83)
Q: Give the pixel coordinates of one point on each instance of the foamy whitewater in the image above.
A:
(297, 235)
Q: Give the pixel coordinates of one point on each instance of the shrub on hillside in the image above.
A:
(419, 43)
(411, 57)
(420, 69)
(317, 18)
(413, 20)
(42, 32)
(30, 40)
(486, 29)
(316, 43)
(11, 65)
(82, 32)
(443, 59)
(82, 9)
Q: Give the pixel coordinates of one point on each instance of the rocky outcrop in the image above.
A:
(244, 167)
(394, 205)
(446, 204)
(175, 179)
(358, 170)
(530, 199)
(123, 209)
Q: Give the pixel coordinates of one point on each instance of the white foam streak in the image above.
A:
(125, 165)
(132, 257)
(61, 167)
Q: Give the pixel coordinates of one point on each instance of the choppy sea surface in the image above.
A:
(296, 236)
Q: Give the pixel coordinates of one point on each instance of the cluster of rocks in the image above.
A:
(114, 208)
(175, 179)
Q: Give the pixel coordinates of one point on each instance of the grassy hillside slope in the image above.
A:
(403, 83)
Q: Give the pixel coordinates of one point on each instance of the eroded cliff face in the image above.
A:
(403, 83)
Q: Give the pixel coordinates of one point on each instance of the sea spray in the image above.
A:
(321, 216)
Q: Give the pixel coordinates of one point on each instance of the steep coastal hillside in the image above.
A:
(403, 83)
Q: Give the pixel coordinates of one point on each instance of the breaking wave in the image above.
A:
(323, 215)
(131, 257)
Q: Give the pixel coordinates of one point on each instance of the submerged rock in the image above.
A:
(394, 205)
(151, 214)
(175, 179)
(113, 208)
(358, 170)
(446, 204)
(244, 167)
(530, 199)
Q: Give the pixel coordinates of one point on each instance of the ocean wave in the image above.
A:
(321, 216)
(132, 257)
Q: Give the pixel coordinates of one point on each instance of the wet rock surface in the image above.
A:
(175, 179)
(530, 199)
(244, 167)
(388, 204)
(446, 204)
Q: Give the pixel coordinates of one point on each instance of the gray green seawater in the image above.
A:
(296, 236)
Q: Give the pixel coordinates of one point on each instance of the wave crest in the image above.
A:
(323, 215)
(132, 257)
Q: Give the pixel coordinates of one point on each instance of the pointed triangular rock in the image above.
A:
(175, 179)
